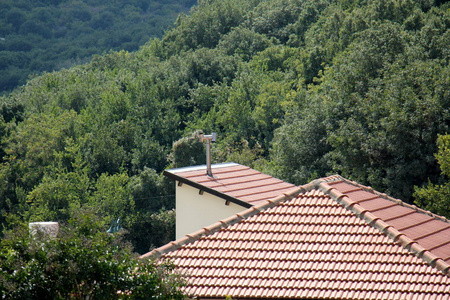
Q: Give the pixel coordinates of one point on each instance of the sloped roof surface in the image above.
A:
(234, 182)
(424, 229)
(329, 239)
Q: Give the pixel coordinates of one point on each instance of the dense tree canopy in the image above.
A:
(38, 36)
(296, 89)
(436, 196)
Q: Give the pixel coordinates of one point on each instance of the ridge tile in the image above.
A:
(335, 239)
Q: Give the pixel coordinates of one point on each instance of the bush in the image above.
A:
(82, 262)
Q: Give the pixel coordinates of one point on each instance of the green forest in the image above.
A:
(47, 35)
(297, 89)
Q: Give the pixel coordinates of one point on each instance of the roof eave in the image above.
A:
(253, 210)
(201, 187)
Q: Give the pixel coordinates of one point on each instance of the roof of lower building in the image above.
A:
(329, 239)
(231, 181)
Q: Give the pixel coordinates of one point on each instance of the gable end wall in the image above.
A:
(195, 211)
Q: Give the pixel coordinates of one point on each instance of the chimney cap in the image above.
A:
(211, 137)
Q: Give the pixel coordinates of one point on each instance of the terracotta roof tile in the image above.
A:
(427, 230)
(232, 181)
(322, 243)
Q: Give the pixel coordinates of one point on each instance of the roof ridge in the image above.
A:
(376, 222)
(336, 178)
(205, 231)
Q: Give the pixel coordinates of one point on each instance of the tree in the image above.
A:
(206, 25)
(188, 151)
(296, 88)
(58, 34)
(273, 17)
(299, 149)
(386, 138)
(244, 43)
(16, 17)
(82, 262)
(436, 197)
(112, 198)
(31, 148)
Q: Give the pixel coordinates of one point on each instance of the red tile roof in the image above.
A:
(330, 239)
(406, 222)
(234, 182)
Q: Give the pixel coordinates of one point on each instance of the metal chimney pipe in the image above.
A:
(209, 139)
(208, 158)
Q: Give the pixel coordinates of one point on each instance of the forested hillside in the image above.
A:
(298, 89)
(47, 35)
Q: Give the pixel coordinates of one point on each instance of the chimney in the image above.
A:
(209, 138)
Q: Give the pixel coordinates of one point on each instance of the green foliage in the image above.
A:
(298, 89)
(150, 191)
(103, 152)
(377, 115)
(51, 35)
(59, 195)
(436, 197)
(395, 124)
(11, 111)
(151, 229)
(188, 151)
(83, 261)
(208, 24)
(112, 197)
(299, 151)
(244, 43)
(30, 149)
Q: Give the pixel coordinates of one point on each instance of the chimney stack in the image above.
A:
(209, 138)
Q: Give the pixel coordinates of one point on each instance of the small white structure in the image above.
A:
(202, 199)
(208, 193)
(49, 229)
(197, 208)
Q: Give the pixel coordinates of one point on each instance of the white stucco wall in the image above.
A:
(195, 211)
